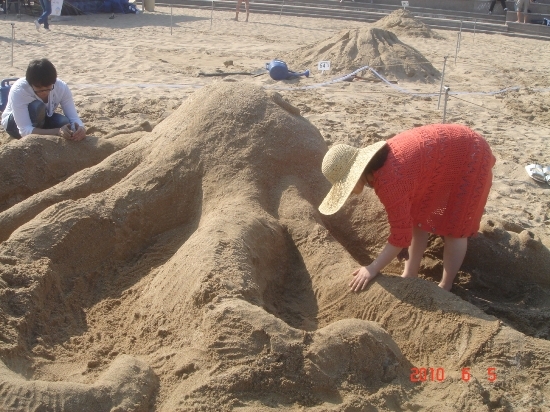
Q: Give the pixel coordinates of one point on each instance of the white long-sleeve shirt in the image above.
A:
(21, 95)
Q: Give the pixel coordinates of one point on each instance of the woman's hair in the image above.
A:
(378, 159)
(41, 73)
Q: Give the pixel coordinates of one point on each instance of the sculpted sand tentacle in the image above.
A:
(127, 385)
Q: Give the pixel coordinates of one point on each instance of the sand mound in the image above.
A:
(204, 256)
(352, 49)
(403, 23)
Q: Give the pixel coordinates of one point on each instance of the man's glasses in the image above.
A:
(43, 90)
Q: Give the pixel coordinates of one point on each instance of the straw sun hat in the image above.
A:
(343, 166)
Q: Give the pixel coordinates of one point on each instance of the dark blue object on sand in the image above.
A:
(278, 70)
(5, 87)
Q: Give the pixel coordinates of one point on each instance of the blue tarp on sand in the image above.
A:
(71, 7)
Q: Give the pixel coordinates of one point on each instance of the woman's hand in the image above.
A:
(365, 274)
(362, 277)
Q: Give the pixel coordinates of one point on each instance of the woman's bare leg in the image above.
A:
(238, 9)
(416, 251)
(453, 256)
(246, 5)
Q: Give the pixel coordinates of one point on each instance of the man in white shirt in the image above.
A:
(32, 102)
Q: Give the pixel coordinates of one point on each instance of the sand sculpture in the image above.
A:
(190, 270)
(402, 22)
(31, 165)
(380, 49)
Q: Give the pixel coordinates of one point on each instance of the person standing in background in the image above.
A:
(43, 19)
(523, 6)
(238, 9)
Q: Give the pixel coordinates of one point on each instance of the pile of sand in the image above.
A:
(191, 270)
(380, 49)
(403, 23)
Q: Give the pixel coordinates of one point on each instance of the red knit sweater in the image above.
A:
(437, 178)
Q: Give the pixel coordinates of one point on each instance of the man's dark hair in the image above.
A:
(41, 73)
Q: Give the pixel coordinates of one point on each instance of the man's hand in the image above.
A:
(65, 132)
(79, 133)
(76, 135)
(362, 277)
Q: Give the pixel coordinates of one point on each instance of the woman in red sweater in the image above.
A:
(431, 179)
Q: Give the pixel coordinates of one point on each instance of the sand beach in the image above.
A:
(175, 259)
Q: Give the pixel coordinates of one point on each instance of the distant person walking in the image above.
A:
(238, 9)
(492, 6)
(43, 19)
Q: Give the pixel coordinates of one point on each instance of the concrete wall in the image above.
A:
(469, 6)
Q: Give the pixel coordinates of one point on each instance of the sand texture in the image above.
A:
(380, 49)
(175, 260)
(402, 22)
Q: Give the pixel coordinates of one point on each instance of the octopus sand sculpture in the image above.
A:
(191, 270)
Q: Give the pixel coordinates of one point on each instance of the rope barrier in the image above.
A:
(387, 82)
(313, 86)
(474, 104)
(405, 91)
(460, 63)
